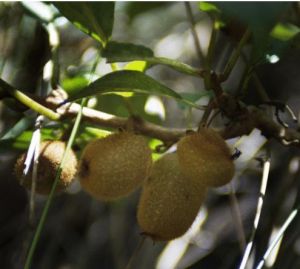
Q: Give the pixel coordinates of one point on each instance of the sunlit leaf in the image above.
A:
(93, 18)
(74, 84)
(127, 81)
(136, 66)
(22, 141)
(153, 144)
(125, 52)
(96, 132)
(285, 31)
(208, 7)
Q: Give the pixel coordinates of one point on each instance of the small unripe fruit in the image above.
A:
(205, 157)
(50, 157)
(114, 166)
(169, 202)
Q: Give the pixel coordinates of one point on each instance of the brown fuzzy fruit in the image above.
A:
(114, 166)
(205, 157)
(169, 202)
(51, 153)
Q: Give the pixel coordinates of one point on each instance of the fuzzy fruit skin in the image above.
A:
(205, 157)
(114, 166)
(169, 202)
(51, 153)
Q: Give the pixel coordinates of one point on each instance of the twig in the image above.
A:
(194, 33)
(244, 119)
(211, 46)
(45, 211)
(234, 57)
(206, 115)
(263, 188)
(135, 253)
(251, 117)
(277, 238)
(238, 219)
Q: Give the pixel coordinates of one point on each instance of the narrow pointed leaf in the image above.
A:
(126, 52)
(127, 81)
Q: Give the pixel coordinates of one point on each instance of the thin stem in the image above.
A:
(135, 253)
(236, 212)
(206, 115)
(260, 88)
(194, 33)
(57, 177)
(27, 101)
(263, 188)
(234, 56)
(277, 238)
(50, 197)
(211, 46)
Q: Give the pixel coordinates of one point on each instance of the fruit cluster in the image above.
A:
(174, 187)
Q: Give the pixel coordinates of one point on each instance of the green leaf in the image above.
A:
(89, 133)
(208, 7)
(72, 85)
(136, 66)
(260, 17)
(285, 31)
(22, 141)
(93, 18)
(125, 52)
(127, 81)
(18, 128)
(176, 65)
(136, 8)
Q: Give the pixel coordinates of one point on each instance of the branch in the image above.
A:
(244, 120)
(107, 120)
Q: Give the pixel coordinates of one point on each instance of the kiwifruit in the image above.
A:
(205, 156)
(169, 202)
(50, 157)
(114, 166)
